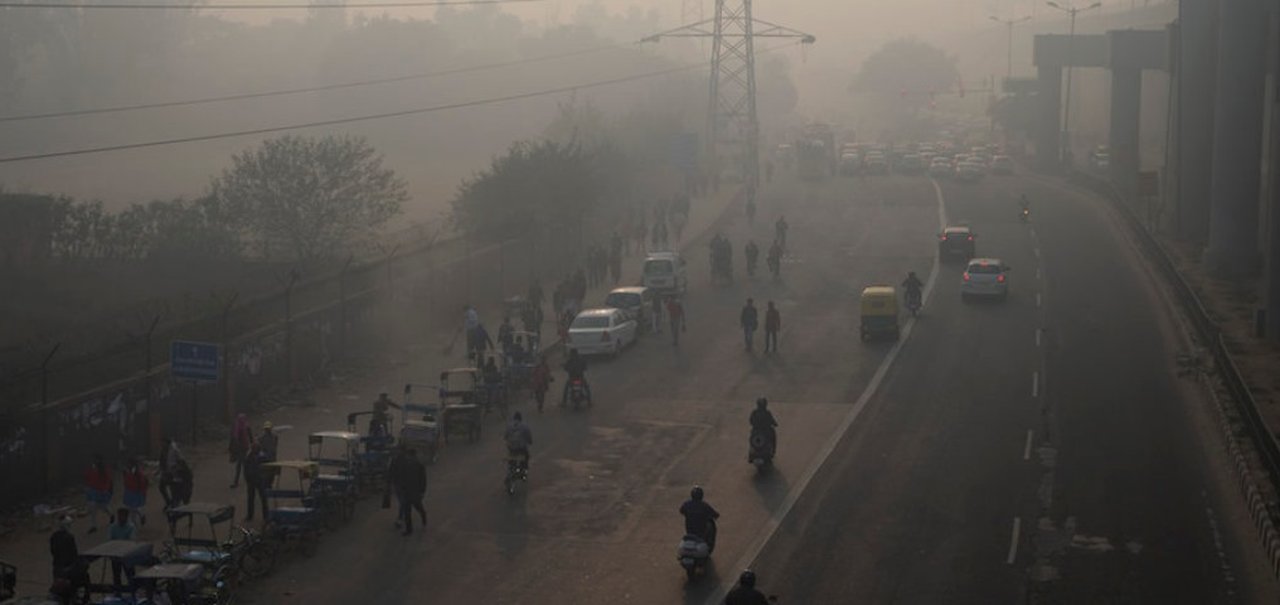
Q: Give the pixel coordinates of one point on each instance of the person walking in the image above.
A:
(135, 491)
(675, 315)
(98, 488)
(121, 529)
(238, 446)
(772, 325)
(541, 379)
(411, 488)
(183, 482)
(269, 442)
(67, 565)
(169, 456)
(655, 315)
(255, 482)
(750, 320)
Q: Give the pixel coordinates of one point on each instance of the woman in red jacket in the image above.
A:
(135, 491)
(98, 487)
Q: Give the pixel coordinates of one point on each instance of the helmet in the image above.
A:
(762, 402)
(696, 493)
(747, 579)
(267, 424)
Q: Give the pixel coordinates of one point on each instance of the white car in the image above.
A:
(601, 331)
(636, 301)
(941, 168)
(985, 277)
(1002, 164)
(665, 273)
(969, 171)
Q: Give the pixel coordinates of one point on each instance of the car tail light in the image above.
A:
(970, 238)
(966, 276)
(604, 337)
(942, 237)
(1000, 278)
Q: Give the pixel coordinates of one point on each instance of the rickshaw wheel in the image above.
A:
(258, 560)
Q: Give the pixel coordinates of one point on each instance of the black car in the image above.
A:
(956, 241)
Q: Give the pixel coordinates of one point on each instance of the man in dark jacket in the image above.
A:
(576, 367)
(411, 487)
(750, 320)
(763, 422)
(700, 517)
(255, 481)
(745, 592)
(772, 325)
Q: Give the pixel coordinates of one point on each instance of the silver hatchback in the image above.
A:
(985, 277)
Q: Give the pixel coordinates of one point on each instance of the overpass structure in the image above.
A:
(1222, 172)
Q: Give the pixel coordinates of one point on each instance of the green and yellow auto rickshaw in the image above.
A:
(879, 306)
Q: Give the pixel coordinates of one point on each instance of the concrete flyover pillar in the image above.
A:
(1048, 115)
(1195, 63)
(1237, 137)
(1129, 53)
(1126, 105)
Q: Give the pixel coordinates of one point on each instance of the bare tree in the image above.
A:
(314, 195)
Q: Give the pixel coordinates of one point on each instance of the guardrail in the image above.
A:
(1206, 329)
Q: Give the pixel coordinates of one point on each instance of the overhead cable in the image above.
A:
(144, 6)
(294, 91)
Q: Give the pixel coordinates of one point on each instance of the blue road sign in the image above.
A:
(197, 361)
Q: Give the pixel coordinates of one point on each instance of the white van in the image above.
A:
(665, 272)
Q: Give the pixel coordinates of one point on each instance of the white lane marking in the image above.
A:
(1039, 331)
(1026, 449)
(1037, 300)
(775, 520)
(1037, 272)
(1035, 384)
(1037, 251)
(1013, 541)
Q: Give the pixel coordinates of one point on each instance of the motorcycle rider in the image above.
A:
(745, 592)
(1024, 206)
(753, 254)
(576, 367)
(780, 231)
(519, 439)
(763, 422)
(699, 518)
(913, 286)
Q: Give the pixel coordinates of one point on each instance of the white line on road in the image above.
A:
(1037, 250)
(1035, 384)
(1037, 272)
(1039, 332)
(775, 520)
(1037, 300)
(1013, 541)
(1026, 449)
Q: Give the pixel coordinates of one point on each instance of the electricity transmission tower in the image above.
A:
(733, 129)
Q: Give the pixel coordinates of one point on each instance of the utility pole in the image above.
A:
(1009, 23)
(1064, 154)
(733, 128)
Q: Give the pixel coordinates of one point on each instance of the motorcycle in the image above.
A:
(517, 473)
(694, 552)
(761, 450)
(1025, 215)
(578, 393)
(913, 303)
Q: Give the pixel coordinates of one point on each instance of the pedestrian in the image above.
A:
(121, 529)
(98, 488)
(483, 344)
(541, 379)
(269, 442)
(135, 491)
(772, 324)
(169, 455)
(183, 483)
(411, 486)
(67, 565)
(255, 482)
(750, 321)
(655, 315)
(238, 445)
(675, 315)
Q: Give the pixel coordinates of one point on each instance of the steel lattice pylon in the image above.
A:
(733, 129)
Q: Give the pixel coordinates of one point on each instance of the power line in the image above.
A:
(294, 91)
(256, 6)
(363, 118)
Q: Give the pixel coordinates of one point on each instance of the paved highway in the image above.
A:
(1035, 449)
